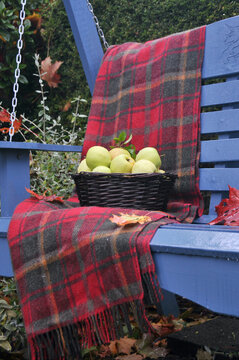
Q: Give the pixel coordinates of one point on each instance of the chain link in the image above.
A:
(17, 70)
(100, 31)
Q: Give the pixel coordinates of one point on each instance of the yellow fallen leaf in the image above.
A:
(125, 219)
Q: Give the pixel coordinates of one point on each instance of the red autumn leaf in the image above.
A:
(35, 19)
(67, 106)
(228, 209)
(50, 198)
(49, 72)
(125, 219)
(6, 118)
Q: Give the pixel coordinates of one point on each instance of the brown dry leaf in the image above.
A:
(165, 326)
(129, 357)
(125, 345)
(104, 351)
(125, 219)
(49, 72)
(113, 347)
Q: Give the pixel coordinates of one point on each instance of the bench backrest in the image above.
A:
(219, 100)
(220, 111)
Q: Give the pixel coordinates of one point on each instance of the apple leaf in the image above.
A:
(122, 136)
(49, 72)
(125, 219)
(228, 209)
(121, 141)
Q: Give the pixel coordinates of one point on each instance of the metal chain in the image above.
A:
(17, 70)
(100, 31)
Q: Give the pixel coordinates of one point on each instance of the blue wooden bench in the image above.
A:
(197, 261)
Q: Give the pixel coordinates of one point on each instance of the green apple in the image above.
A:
(151, 154)
(96, 156)
(102, 169)
(118, 151)
(122, 164)
(83, 166)
(143, 166)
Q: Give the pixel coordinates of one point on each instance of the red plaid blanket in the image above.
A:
(78, 274)
(152, 90)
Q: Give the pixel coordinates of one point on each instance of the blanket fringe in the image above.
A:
(67, 342)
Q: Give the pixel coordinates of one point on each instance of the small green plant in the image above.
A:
(12, 331)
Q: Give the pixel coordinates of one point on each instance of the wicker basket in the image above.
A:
(139, 191)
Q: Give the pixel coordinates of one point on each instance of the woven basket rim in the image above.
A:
(138, 175)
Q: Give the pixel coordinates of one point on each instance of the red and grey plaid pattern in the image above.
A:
(152, 90)
(79, 275)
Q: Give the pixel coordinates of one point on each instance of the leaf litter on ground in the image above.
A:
(153, 346)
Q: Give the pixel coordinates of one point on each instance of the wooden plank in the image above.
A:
(220, 94)
(196, 242)
(86, 38)
(221, 48)
(39, 146)
(14, 177)
(219, 150)
(216, 122)
(218, 179)
(209, 281)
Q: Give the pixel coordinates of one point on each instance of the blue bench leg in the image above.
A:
(169, 304)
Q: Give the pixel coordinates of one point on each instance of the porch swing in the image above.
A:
(207, 256)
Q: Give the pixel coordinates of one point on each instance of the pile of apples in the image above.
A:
(118, 160)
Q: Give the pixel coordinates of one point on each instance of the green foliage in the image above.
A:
(12, 331)
(9, 23)
(52, 170)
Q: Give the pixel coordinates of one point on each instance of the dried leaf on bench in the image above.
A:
(228, 209)
(125, 219)
(50, 198)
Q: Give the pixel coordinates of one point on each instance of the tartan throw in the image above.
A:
(79, 275)
(152, 90)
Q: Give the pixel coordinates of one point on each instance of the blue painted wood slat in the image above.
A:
(39, 146)
(221, 93)
(218, 179)
(216, 122)
(221, 49)
(219, 150)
